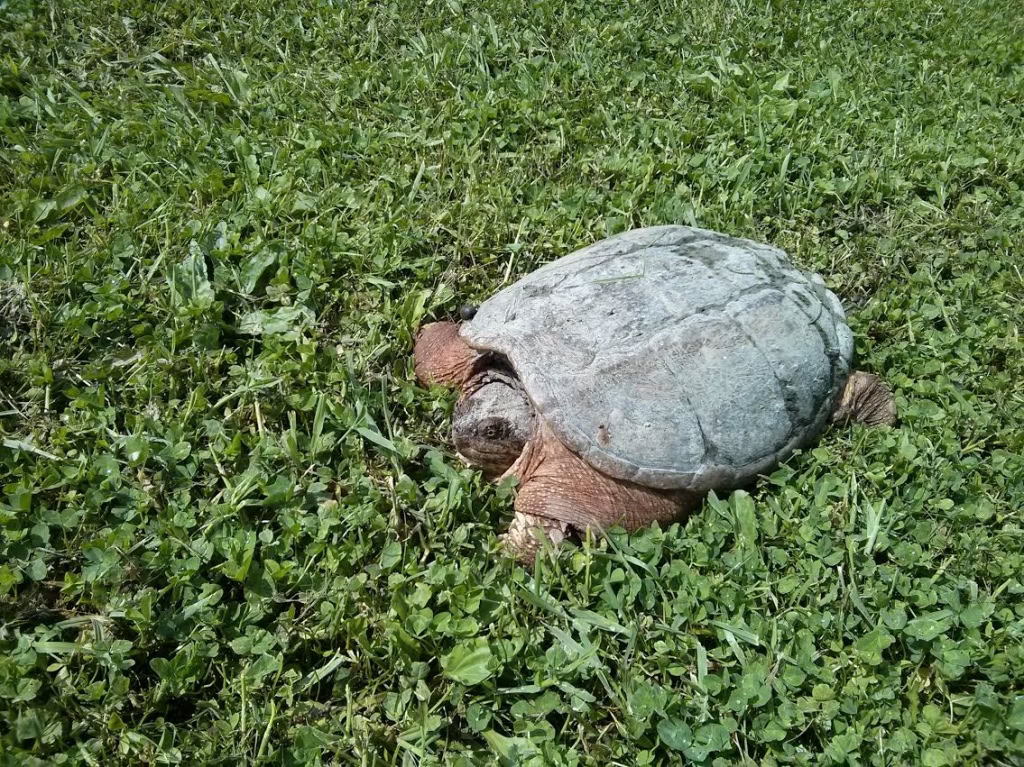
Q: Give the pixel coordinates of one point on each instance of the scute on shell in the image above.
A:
(675, 357)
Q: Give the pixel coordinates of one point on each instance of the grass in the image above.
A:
(232, 529)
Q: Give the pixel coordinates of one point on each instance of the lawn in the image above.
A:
(232, 527)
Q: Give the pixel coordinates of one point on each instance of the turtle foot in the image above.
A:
(865, 399)
(526, 534)
(442, 357)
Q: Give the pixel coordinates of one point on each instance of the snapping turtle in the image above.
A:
(622, 382)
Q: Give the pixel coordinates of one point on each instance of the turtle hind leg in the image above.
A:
(440, 356)
(561, 494)
(865, 399)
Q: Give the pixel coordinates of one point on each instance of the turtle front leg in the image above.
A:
(561, 493)
(524, 536)
(440, 356)
(865, 399)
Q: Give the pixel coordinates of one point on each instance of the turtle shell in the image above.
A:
(674, 357)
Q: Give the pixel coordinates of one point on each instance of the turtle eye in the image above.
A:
(494, 429)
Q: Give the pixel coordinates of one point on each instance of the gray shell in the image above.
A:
(674, 357)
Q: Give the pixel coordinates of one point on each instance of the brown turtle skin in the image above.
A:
(559, 493)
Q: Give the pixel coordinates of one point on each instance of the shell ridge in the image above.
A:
(710, 449)
(787, 395)
(830, 352)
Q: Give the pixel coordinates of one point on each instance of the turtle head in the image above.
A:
(492, 422)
